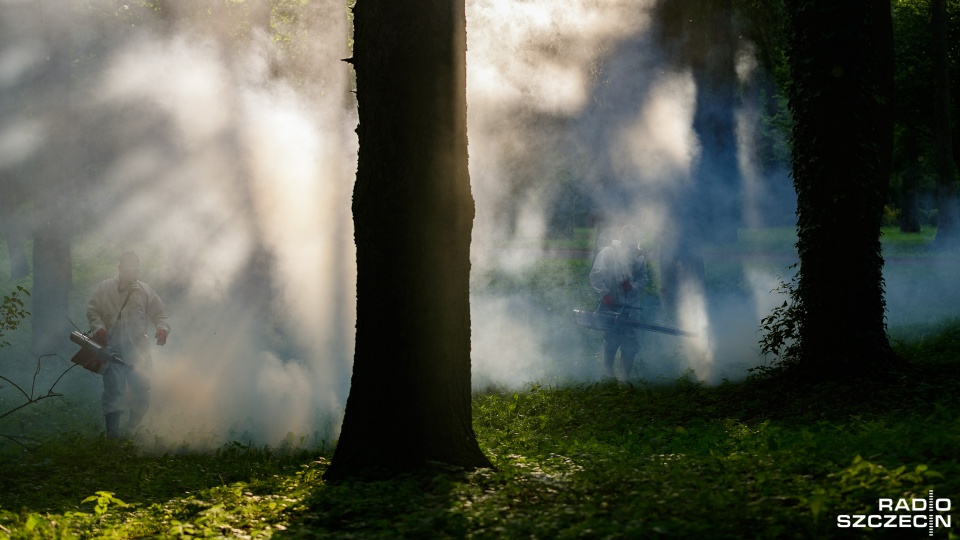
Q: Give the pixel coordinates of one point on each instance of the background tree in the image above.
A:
(913, 113)
(709, 38)
(840, 57)
(10, 224)
(410, 395)
(702, 36)
(53, 189)
(925, 80)
(948, 233)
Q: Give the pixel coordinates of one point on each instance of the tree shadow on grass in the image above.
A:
(412, 505)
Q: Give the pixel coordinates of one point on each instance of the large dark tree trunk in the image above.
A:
(948, 228)
(841, 61)
(410, 395)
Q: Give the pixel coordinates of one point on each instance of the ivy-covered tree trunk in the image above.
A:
(840, 56)
(410, 395)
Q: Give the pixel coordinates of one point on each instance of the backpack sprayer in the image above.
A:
(93, 356)
(617, 321)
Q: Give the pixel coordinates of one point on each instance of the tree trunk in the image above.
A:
(11, 225)
(910, 186)
(841, 61)
(716, 172)
(703, 35)
(948, 233)
(52, 280)
(410, 395)
(53, 192)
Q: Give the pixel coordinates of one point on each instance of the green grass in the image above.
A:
(679, 460)
(673, 460)
(896, 243)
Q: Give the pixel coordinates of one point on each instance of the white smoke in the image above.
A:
(234, 185)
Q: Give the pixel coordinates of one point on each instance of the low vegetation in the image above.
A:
(672, 459)
(678, 460)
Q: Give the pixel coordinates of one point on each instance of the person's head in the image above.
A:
(129, 267)
(630, 236)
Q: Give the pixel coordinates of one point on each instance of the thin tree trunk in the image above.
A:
(410, 395)
(710, 209)
(948, 234)
(53, 191)
(910, 186)
(12, 227)
(717, 172)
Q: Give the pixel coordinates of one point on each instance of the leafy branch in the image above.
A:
(12, 313)
(781, 328)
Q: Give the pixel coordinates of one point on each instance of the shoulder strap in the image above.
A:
(120, 313)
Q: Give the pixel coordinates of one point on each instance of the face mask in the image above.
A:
(129, 275)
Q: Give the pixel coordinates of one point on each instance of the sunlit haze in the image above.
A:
(228, 163)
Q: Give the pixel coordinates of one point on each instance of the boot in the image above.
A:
(113, 425)
(627, 368)
(134, 422)
(626, 361)
(609, 356)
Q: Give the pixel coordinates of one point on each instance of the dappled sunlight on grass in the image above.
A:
(680, 458)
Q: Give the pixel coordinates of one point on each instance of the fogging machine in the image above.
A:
(616, 321)
(92, 356)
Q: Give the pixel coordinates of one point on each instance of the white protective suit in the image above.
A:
(615, 265)
(621, 272)
(143, 313)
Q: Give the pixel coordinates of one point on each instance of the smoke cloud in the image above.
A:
(228, 164)
(233, 183)
(581, 88)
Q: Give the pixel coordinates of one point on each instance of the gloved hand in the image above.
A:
(607, 300)
(626, 285)
(100, 337)
(161, 336)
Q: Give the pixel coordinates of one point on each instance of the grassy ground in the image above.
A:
(675, 459)
(599, 460)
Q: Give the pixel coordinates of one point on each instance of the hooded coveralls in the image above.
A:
(127, 335)
(614, 266)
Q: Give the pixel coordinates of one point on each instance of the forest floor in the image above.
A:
(754, 459)
(672, 457)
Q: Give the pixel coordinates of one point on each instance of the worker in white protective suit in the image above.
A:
(121, 312)
(619, 275)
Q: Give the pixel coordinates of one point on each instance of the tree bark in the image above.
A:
(703, 36)
(410, 395)
(948, 233)
(54, 189)
(10, 223)
(716, 172)
(840, 56)
(910, 185)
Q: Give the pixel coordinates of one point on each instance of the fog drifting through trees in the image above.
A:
(232, 179)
